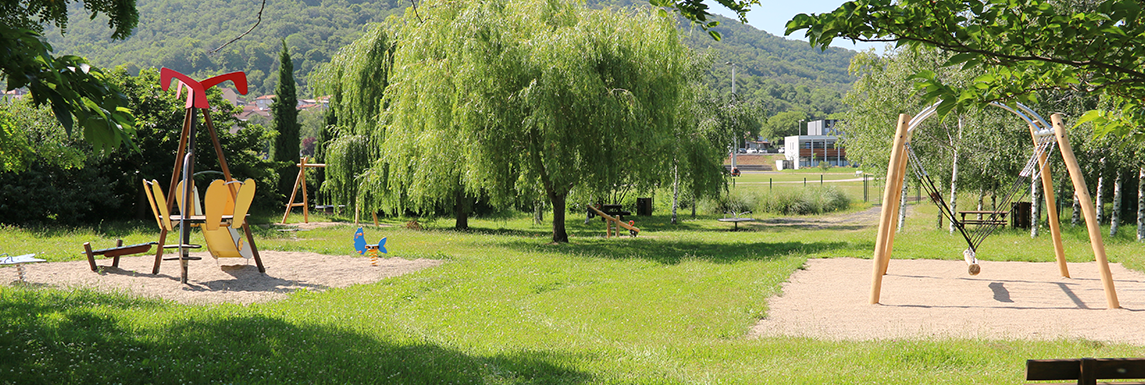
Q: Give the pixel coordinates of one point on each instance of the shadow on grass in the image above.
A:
(51, 337)
(674, 251)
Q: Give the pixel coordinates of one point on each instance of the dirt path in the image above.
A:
(924, 299)
(850, 221)
(209, 282)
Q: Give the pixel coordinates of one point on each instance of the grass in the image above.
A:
(670, 306)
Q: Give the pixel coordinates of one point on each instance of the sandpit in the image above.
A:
(209, 282)
(926, 299)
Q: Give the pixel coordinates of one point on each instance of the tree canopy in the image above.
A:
(68, 83)
(1022, 47)
(506, 99)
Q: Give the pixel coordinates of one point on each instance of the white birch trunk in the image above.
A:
(1115, 216)
(954, 190)
(954, 178)
(902, 204)
(1100, 187)
(981, 198)
(1035, 196)
(1141, 204)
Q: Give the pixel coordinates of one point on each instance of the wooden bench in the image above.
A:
(988, 217)
(1087, 370)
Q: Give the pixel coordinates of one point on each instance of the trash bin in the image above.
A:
(644, 206)
(1020, 215)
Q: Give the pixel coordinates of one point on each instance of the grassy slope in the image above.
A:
(671, 306)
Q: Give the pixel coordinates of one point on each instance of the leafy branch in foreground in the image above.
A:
(1023, 46)
(69, 84)
(696, 11)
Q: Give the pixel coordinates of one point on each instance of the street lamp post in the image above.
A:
(735, 141)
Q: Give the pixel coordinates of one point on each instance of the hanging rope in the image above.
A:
(975, 238)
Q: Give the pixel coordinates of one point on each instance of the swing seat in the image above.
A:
(224, 216)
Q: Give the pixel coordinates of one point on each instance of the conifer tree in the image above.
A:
(285, 113)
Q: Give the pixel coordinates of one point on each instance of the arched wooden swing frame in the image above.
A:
(1039, 129)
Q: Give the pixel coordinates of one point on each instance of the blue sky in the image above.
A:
(772, 16)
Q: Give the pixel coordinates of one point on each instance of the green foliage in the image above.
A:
(1022, 47)
(69, 84)
(33, 14)
(284, 111)
(64, 181)
(488, 100)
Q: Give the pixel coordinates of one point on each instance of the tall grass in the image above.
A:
(801, 201)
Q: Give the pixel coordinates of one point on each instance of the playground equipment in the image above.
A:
(184, 169)
(611, 221)
(305, 204)
(19, 261)
(222, 237)
(1045, 136)
(115, 252)
(372, 250)
(736, 219)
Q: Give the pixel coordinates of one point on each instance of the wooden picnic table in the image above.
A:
(989, 217)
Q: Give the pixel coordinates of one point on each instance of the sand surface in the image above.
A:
(212, 282)
(923, 299)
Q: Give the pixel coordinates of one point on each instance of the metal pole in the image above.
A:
(188, 204)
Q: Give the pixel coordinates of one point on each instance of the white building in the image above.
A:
(818, 145)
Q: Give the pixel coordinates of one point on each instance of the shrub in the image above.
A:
(811, 200)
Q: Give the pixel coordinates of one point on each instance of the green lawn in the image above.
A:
(670, 306)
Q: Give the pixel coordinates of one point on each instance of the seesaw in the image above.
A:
(610, 220)
(372, 250)
(114, 252)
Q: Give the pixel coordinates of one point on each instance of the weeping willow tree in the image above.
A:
(504, 99)
(356, 79)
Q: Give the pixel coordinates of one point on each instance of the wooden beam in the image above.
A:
(895, 210)
(1051, 209)
(890, 194)
(1087, 209)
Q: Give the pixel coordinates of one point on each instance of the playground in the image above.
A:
(210, 283)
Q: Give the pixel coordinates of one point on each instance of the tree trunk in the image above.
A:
(675, 191)
(1141, 204)
(461, 209)
(981, 199)
(559, 234)
(954, 182)
(538, 212)
(1035, 198)
(902, 204)
(1076, 211)
(693, 206)
(1100, 187)
(1115, 216)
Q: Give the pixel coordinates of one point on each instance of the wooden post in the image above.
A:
(1051, 209)
(896, 210)
(1087, 210)
(890, 195)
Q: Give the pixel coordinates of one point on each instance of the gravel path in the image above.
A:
(924, 299)
(209, 282)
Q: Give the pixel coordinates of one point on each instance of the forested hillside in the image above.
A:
(780, 74)
(179, 34)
